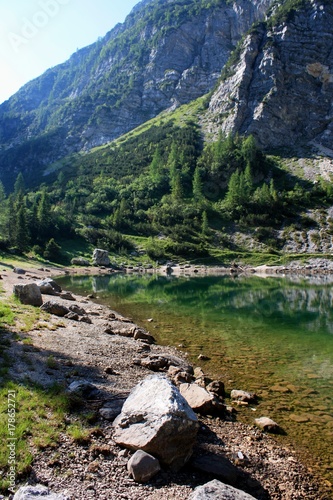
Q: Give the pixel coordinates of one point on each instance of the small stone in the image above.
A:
(19, 270)
(85, 319)
(202, 357)
(142, 466)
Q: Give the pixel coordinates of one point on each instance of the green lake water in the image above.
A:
(272, 336)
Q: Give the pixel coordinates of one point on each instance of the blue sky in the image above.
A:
(38, 34)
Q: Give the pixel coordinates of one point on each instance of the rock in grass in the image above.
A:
(28, 294)
(157, 419)
(142, 466)
(216, 490)
(80, 261)
(84, 389)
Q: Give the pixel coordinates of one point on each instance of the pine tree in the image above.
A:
(19, 186)
(21, 232)
(156, 164)
(44, 217)
(204, 224)
(197, 185)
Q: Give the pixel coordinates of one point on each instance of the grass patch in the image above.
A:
(79, 434)
(6, 315)
(37, 422)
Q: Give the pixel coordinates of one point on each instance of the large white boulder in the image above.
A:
(157, 419)
(101, 257)
(215, 490)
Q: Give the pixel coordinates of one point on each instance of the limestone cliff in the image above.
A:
(281, 89)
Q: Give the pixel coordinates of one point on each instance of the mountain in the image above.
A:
(165, 54)
(281, 87)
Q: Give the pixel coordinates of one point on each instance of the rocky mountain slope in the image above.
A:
(281, 88)
(165, 54)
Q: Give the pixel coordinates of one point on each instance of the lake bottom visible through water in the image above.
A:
(270, 336)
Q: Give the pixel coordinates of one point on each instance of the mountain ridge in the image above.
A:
(163, 55)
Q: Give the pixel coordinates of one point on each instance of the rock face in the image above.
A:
(28, 294)
(156, 418)
(167, 53)
(281, 90)
(216, 490)
(101, 257)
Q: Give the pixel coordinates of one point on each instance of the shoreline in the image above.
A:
(261, 449)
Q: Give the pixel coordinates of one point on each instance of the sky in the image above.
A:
(38, 34)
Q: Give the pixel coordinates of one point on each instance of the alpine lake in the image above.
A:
(268, 335)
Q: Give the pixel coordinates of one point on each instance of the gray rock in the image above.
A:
(38, 491)
(140, 334)
(154, 363)
(217, 465)
(80, 261)
(19, 270)
(49, 286)
(198, 398)
(157, 419)
(53, 307)
(112, 409)
(72, 315)
(121, 328)
(85, 319)
(66, 296)
(267, 424)
(215, 490)
(84, 389)
(28, 294)
(216, 387)
(101, 257)
(142, 466)
(77, 309)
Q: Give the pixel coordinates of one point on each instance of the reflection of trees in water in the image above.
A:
(292, 301)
